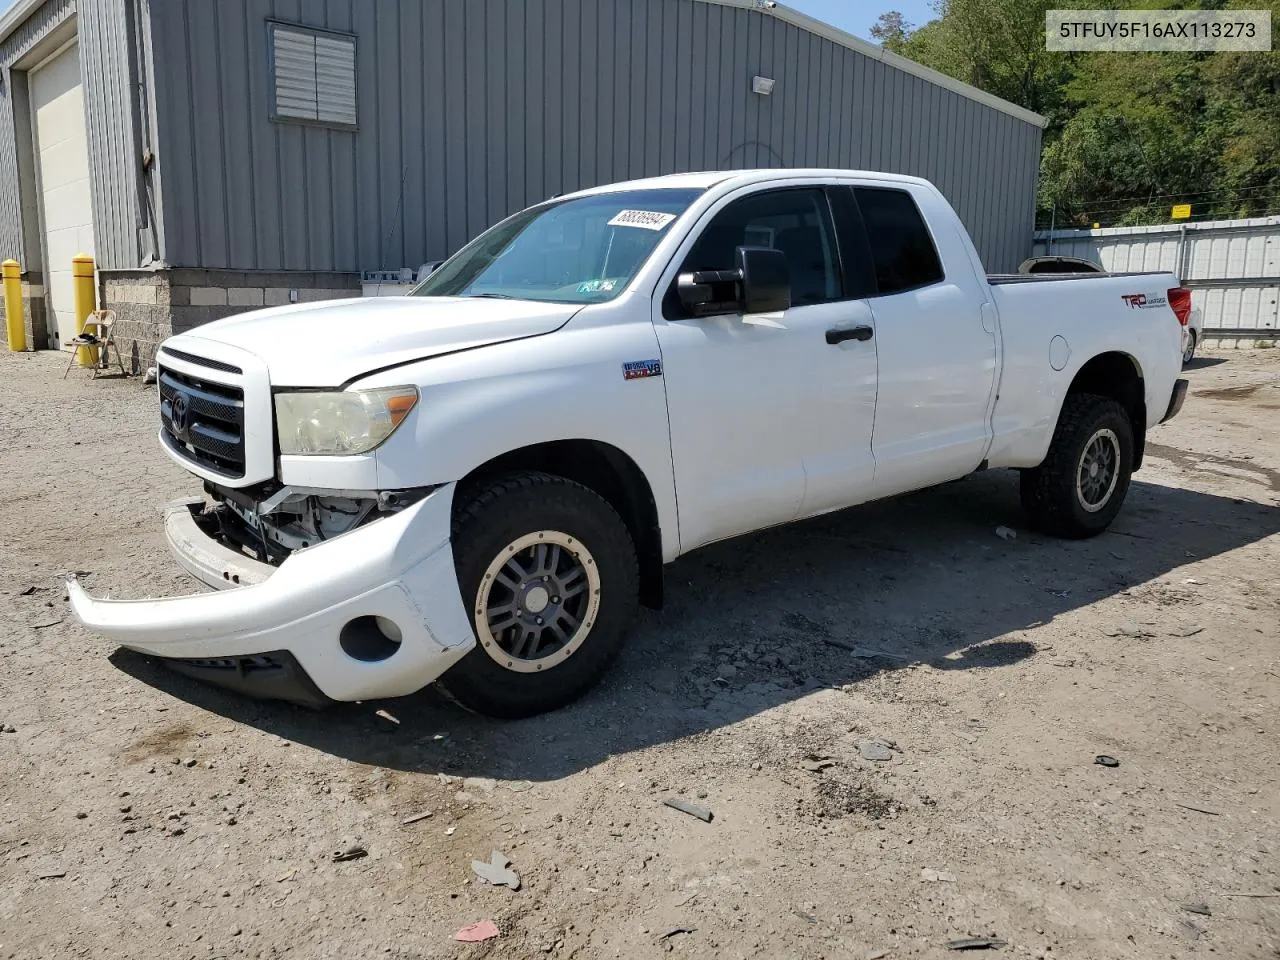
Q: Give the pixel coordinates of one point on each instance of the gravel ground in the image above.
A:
(146, 815)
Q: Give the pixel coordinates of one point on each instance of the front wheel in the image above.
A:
(1081, 485)
(549, 572)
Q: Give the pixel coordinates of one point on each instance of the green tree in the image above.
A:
(995, 45)
(1129, 134)
(1132, 139)
(1241, 116)
(891, 30)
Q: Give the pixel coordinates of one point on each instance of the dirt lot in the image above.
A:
(146, 815)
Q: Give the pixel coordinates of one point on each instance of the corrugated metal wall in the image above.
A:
(113, 157)
(43, 22)
(1231, 266)
(471, 109)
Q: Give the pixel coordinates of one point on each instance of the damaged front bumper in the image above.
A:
(373, 613)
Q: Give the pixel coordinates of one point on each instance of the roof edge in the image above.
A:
(875, 52)
(16, 16)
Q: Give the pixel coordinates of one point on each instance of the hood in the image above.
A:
(332, 342)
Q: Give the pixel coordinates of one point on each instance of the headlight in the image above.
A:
(345, 422)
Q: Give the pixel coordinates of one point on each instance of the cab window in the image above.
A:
(901, 248)
(795, 222)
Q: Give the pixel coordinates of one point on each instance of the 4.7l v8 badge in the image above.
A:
(639, 369)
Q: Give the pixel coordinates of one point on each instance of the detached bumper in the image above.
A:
(1177, 398)
(318, 609)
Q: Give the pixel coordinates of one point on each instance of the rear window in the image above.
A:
(901, 247)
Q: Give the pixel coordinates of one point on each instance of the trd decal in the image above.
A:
(1140, 301)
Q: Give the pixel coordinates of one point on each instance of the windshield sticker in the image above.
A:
(596, 286)
(644, 219)
(639, 369)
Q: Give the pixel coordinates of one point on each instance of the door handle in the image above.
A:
(839, 335)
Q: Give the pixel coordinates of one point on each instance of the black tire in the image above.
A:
(1189, 354)
(1051, 496)
(484, 524)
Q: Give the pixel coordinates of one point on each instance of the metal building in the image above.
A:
(215, 157)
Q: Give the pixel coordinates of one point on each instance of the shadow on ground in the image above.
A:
(766, 619)
(1202, 363)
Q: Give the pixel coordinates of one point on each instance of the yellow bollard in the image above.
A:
(13, 305)
(86, 302)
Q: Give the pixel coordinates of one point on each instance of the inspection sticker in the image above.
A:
(644, 219)
(639, 369)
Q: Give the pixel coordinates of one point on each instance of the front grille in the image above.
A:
(203, 422)
(201, 361)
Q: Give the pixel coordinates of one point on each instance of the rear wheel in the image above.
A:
(1189, 353)
(1081, 485)
(549, 572)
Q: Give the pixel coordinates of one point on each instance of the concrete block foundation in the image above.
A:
(152, 305)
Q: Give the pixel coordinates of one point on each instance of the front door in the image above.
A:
(769, 420)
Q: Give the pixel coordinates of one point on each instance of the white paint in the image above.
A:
(1059, 353)
(1194, 330)
(392, 330)
(938, 366)
(62, 158)
(1091, 308)
(767, 419)
(749, 425)
(400, 568)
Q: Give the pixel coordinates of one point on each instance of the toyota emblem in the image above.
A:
(180, 409)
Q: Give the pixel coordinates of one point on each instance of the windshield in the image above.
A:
(584, 250)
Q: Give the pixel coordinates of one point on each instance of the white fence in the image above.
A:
(1231, 266)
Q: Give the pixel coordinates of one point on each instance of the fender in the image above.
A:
(578, 383)
(1114, 374)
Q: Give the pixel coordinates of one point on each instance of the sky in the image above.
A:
(857, 16)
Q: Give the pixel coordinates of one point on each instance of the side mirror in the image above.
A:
(709, 293)
(766, 280)
(760, 284)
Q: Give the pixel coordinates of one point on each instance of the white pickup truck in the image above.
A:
(478, 482)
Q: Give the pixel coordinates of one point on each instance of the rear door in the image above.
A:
(768, 419)
(935, 337)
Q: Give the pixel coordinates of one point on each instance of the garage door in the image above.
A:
(62, 157)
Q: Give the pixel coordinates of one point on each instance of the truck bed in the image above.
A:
(996, 279)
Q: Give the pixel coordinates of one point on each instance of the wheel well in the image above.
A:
(1118, 376)
(610, 473)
